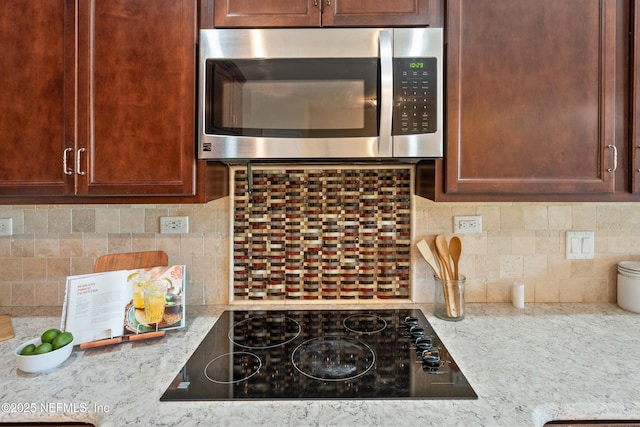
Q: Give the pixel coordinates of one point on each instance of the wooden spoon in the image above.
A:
(428, 256)
(455, 248)
(442, 250)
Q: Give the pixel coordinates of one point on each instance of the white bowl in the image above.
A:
(35, 363)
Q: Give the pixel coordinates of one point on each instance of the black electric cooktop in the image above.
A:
(320, 354)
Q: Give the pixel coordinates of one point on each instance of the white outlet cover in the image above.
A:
(6, 226)
(580, 245)
(174, 225)
(467, 224)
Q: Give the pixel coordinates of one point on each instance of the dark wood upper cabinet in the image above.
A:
(136, 97)
(99, 102)
(326, 13)
(379, 13)
(634, 145)
(531, 96)
(36, 106)
(267, 13)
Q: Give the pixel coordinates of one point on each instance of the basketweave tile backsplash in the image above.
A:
(321, 233)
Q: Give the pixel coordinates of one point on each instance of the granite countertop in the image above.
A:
(548, 361)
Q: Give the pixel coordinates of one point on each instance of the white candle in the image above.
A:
(517, 295)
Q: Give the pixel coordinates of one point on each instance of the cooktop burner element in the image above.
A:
(365, 323)
(264, 331)
(333, 358)
(320, 354)
(245, 366)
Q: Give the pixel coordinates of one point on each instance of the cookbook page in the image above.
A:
(157, 299)
(94, 305)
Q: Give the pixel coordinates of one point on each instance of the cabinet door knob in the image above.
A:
(79, 170)
(65, 167)
(315, 3)
(615, 158)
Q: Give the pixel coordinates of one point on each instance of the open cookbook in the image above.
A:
(124, 303)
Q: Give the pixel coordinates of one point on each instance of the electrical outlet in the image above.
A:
(467, 224)
(6, 226)
(174, 225)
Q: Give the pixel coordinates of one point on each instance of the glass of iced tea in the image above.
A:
(155, 294)
(138, 281)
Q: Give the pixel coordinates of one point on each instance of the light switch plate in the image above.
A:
(580, 245)
(6, 226)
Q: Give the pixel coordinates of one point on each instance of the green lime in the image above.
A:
(50, 335)
(28, 350)
(45, 347)
(62, 340)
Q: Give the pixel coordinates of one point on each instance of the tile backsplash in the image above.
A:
(322, 233)
(520, 242)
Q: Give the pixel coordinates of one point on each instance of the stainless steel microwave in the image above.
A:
(320, 94)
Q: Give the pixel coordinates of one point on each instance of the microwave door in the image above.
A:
(329, 95)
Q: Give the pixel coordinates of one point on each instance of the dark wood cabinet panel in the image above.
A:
(326, 13)
(267, 13)
(137, 97)
(36, 106)
(378, 13)
(531, 90)
(99, 103)
(634, 145)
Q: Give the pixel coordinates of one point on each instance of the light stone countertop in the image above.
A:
(548, 361)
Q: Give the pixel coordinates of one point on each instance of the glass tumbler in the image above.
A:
(155, 295)
(449, 298)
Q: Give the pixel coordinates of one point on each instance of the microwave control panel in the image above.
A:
(415, 96)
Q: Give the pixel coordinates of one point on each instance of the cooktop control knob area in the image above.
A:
(424, 345)
(410, 322)
(431, 358)
(416, 332)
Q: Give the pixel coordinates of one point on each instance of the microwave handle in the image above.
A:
(386, 93)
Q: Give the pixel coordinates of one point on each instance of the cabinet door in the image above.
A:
(635, 101)
(36, 106)
(267, 13)
(531, 96)
(136, 97)
(375, 13)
